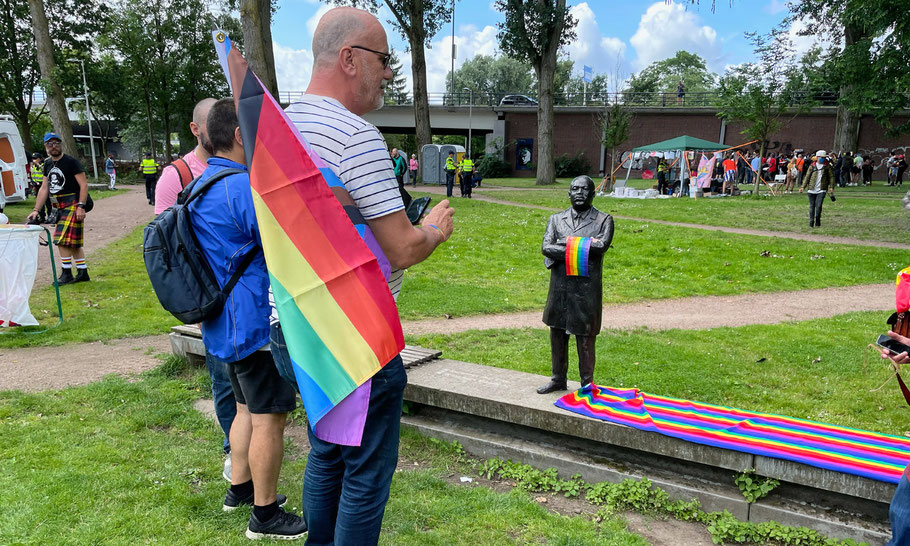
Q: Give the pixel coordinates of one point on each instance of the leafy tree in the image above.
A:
(867, 37)
(397, 89)
(615, 124)
(20, 66)
(167, 59)
(492, 75)
(533, 32)
(418, 21)
(663, 76)
(750, 94)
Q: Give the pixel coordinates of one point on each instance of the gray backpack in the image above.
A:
(181, 276)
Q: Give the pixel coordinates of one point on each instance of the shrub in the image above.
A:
(570, 167)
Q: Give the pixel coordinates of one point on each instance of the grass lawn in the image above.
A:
(131, 462)
(810, 369)
(493, 264)
(872, 213)
(18, 212)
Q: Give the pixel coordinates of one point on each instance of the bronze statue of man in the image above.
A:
(573, 249)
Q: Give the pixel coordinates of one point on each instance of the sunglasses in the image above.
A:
(385, 57)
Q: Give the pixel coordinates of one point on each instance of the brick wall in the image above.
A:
(576, 132)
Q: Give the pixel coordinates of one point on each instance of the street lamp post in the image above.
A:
(470, 111)
(88, 115)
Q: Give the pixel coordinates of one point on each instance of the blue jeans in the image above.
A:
(345, 488)
(223, 395)
(281, 357)
(899, 514)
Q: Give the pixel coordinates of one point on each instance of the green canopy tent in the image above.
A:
(678, 145)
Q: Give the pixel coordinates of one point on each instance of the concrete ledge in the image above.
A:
(495, 412)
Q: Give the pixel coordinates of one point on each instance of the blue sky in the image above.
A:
(613, 36)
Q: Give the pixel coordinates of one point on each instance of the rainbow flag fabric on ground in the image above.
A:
(869, 454)
(327, 272)
(578, 250)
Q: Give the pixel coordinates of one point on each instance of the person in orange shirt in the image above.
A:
(729, 174)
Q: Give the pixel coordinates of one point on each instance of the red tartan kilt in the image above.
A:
(69, 231)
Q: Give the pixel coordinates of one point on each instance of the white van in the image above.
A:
(13, 176)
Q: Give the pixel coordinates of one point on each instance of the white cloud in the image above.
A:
(605, 54)
(666, 28)
(470, 42)
(775, 6)
(314, 20)
(293, 67)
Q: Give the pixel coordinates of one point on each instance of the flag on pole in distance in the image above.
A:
(327, 272)
(588, 74)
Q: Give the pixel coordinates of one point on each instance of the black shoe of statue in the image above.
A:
(66, 277)
(553, 386)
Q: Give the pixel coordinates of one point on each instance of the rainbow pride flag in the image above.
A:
(869, 454)
(578, 250)
(327, 272)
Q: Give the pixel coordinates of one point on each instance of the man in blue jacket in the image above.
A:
(224, 222)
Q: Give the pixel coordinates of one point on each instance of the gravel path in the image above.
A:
(441, 190)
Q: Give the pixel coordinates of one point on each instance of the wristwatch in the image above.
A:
(80, 205)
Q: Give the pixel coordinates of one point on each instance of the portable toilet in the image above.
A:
(13, 176)
(431, 169)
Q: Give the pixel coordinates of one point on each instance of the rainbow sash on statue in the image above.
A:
(327, 272)
(870, 454)
(578, 250)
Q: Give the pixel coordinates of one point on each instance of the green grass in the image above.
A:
(131, 462)
(523, 183)
(724, 366)
(865, 213)
(493, 264)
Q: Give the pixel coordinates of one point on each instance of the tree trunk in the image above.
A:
(846, 134)
(416, 39)
(546, 163)
(608, 187)
(255, 20)
(55, 102)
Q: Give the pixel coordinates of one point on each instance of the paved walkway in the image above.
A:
(478, 194)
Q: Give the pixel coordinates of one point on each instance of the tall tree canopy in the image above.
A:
(533, 32)
(418, 21)
(866, 37)
(493, 75)
(663, 76)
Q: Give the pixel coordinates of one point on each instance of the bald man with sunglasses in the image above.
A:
(346, 486)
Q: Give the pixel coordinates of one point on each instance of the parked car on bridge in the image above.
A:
(517, 100)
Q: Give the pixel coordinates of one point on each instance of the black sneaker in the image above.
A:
(232, 501)
(66, 277)
(81, 276)
(284, 526)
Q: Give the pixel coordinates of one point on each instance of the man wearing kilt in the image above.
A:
(67, 188)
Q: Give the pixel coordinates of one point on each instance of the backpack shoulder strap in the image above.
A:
(193, 193)
(247, 260)
(183, 171)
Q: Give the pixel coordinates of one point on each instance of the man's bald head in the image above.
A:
(339, 27)
(197, 126)
(201, 111)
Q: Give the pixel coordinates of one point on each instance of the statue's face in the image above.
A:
(581, 194)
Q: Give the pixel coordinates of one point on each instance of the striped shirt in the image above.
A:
(355, 151)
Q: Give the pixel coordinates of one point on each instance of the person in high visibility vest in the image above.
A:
(450, 173)
(467, 176)
(149, 169)
(662, 169)
(36, 177)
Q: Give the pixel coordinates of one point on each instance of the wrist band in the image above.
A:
(434, 226)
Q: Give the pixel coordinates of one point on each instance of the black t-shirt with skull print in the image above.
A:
(61, 175)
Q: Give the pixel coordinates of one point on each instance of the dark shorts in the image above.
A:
(258, 385)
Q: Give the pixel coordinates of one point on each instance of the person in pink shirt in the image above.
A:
(414, 170)
(172, 180)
